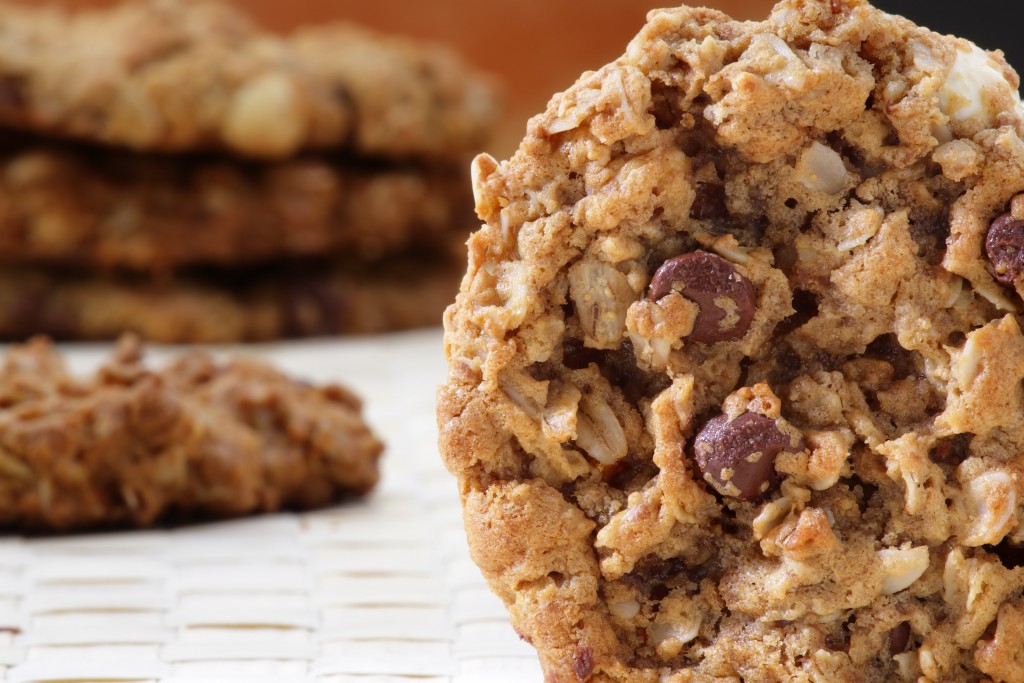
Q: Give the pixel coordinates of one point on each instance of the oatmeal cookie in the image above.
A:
(79, 205)
(173, 75)
(130, 446)
(734, 385)
(221, 305)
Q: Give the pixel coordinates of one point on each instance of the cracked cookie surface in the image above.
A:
(734, 385)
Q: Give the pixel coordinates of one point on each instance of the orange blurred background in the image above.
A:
(535, 47)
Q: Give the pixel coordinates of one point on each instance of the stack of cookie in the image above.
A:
(168, 168)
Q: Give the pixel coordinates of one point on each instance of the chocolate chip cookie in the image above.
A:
(130, 445)
(167, 75)
(80, 205)
(735, 372)
(282, 300)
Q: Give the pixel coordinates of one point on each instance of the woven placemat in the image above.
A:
(378, 591)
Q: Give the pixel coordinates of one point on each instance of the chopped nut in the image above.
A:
(989, 508)
(598, 431)
(481, 168)
(821, 169)
(602, 296)
(267, 117)
(669, 638)
(906, 664)
(902, 566)
(626, 609)
(771, 516)
(970, 87)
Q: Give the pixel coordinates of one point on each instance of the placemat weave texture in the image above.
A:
(376, 591)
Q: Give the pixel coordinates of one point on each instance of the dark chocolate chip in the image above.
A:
(709, 203)
(726, 298)
(899, 639)
(1005, 248)
(738, 457)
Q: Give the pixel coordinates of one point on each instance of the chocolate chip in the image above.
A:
(899, 639)
(738, 457)
(726, 298)
(1005, 248)
(709, 203)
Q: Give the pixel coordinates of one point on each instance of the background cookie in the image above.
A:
(175, 76)
(171, 169)
(82, 206)
(735, 372)
(131, 445)
(282, 300)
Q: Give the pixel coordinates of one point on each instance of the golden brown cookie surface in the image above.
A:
(735, 373)
(82, 206)
(186, 75)
(131, 445)
(285, 300)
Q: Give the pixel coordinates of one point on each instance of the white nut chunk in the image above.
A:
(598, 431)
(821, 169)
(988, 507)
(602, 296)
(975, 89)
(266, 117)
(624, 609)
(902, 567)
(669, 637)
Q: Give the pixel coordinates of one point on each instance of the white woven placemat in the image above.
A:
(379, 591)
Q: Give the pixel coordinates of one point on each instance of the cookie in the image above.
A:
(221, 305)
(168, 75)
(131, 446)
(77, 205)
(734, 385)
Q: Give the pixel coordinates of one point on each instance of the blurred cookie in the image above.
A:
(130, 446)
(735, 375)
(167, 75)
(219, 305)
(82, 206)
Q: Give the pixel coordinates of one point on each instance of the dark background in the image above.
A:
(992, 24)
